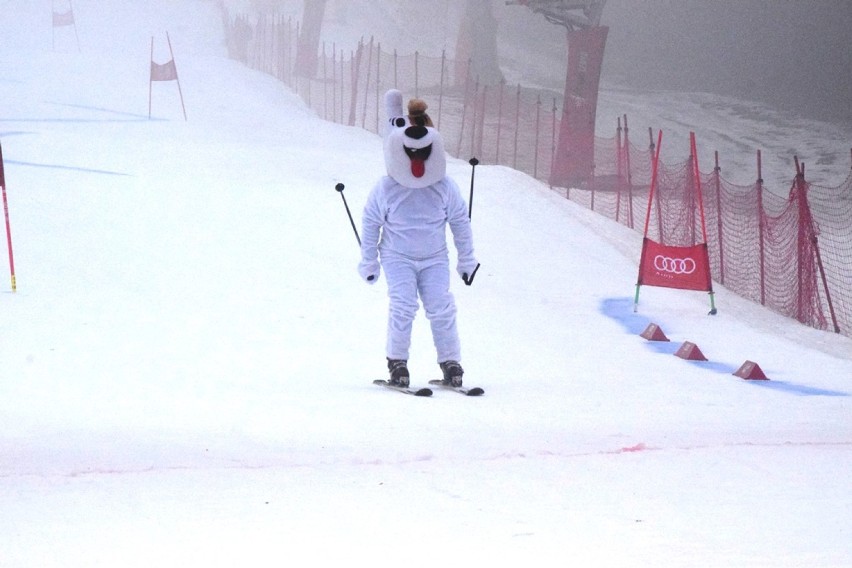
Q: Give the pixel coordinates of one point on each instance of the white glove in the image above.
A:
(369, 271)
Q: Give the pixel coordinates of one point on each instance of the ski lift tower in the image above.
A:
(574, 162)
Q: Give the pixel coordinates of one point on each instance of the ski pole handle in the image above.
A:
(339, 187)
(468, 278)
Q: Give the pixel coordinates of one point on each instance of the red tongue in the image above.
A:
(418, 167)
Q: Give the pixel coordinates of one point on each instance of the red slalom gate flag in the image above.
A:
(63, 19)
(164, 72)
(685, 268)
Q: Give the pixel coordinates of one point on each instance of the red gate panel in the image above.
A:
(685, 268)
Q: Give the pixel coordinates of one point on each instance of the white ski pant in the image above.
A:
(430, 280)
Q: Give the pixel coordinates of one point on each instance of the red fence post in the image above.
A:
(691, 182)
(324, 84)
(537, 123)
(808, 236)
(342, 86)
(552, 139)
(629, 174)
(367, 83)
(499, 121)
(378, 87)
(416, 73)
(356, 69)
(463, 114)
(716, 178)
(395, 69)
(441, 87)
(618, 171)
(480, 136)
(474, 120)
(802, 238)
(334, 82)
(761, 229)
(517, 127)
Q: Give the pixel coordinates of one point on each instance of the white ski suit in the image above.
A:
(404, 227)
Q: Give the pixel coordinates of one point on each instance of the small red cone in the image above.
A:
(654, 333)
(751, 371)
(690, 351)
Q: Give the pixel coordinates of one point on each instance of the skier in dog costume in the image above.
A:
(404, 232)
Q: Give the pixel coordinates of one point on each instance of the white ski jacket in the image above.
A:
(412, 222)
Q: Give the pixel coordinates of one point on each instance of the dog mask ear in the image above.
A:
(414, 150)
(393, 111)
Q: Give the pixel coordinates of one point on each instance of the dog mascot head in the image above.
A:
(414, 150)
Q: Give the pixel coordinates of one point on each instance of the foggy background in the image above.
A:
(795, 55)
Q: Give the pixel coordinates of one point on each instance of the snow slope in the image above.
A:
(185, 368)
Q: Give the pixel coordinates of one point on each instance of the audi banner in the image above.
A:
(685, 268)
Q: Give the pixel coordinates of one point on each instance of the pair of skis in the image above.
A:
(467, 391)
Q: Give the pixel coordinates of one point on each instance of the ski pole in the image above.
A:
(473, 163)
(339, 187)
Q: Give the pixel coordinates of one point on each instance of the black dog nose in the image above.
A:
(416, 132)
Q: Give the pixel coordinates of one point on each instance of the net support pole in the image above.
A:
(812, 236)
(761, 229)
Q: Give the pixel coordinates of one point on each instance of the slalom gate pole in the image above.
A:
(8, 226)
(177, 79)
(150, 78)
(473, 163)
(655, 165)
(339, 187)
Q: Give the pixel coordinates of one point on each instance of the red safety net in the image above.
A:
(792, 254)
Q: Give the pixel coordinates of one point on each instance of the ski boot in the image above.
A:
(398, 369)
(452, 373)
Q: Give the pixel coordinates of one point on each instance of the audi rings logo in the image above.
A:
(675, 266)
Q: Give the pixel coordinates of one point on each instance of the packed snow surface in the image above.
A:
(186, 365)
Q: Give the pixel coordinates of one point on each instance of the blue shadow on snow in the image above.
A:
(792, 388)
(621, 311)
